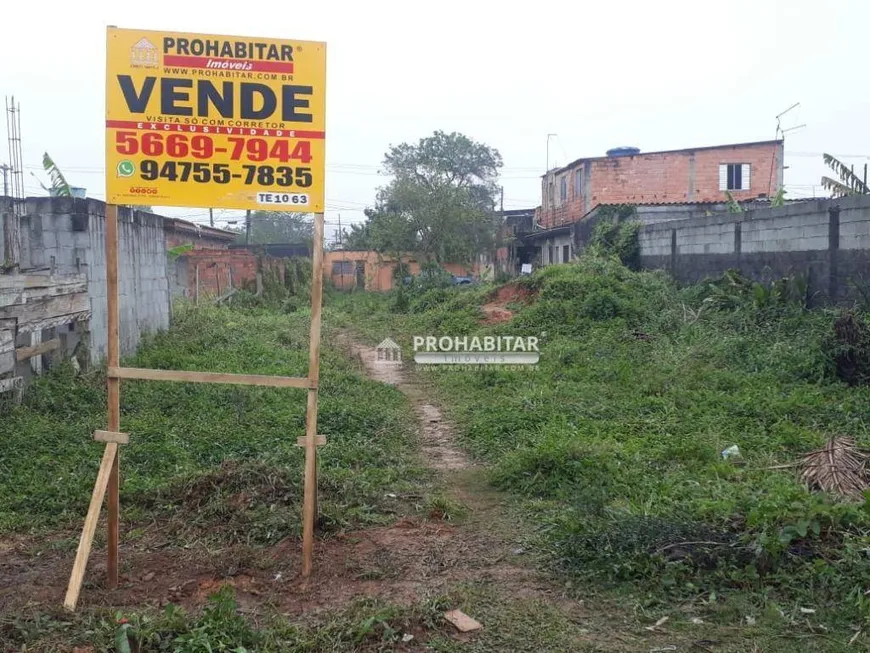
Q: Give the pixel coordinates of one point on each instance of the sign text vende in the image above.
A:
(203, 120)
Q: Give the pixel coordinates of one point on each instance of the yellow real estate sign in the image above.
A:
(215, 121)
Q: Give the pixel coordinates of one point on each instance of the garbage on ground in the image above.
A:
(731, 452)
(658, 623)
(462, 621)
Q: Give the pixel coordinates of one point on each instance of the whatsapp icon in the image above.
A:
(126, 168)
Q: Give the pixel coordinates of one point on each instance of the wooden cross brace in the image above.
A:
(112, 441)
(319, 440)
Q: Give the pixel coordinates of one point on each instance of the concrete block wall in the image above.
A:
(827, 241)
(69, 235)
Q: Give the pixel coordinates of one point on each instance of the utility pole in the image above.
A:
(501, 201)
(248, 227)
(339, 227)
(211, 217)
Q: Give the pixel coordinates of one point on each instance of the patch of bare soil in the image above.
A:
(403, 563)
(495, 311)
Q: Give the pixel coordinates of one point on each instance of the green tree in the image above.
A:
(277, 227)
(440, 200)
(384, 231)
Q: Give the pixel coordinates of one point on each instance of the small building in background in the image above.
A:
(695, 179)
(278, 250)
(181, 232)
(369, 270)
(629, 176)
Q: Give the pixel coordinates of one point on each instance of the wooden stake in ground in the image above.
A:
(113, 388)
(309, 505)
(78, 573)
(108, 477)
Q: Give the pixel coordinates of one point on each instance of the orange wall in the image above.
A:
(378, 269)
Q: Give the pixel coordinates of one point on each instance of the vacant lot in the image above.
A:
(614, 444)
(581, 506)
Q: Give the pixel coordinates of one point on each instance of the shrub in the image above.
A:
(848, 347)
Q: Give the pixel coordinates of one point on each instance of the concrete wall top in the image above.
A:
(787, 211)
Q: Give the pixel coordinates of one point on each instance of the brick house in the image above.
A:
(748, 171)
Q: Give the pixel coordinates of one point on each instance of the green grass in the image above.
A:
(194, 446)
(367, 625)
(510, 622)
(614, 444)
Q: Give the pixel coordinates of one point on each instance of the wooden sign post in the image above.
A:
(276, 163)
(309, 505)
(108, 477)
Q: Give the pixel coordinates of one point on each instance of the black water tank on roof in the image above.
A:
(623, 151)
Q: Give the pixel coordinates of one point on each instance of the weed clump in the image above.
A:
(849, 348)
(237, 503)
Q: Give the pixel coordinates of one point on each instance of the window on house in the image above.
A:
(734, 176)
(563, 189)
(552, 194)
(566, 253)
(550, 254)
(578, 183)
(342, 267)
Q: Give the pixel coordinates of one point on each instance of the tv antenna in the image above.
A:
(782, 132)
(549, 136)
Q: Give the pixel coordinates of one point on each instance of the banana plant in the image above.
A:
(59, 186)
(848, 184)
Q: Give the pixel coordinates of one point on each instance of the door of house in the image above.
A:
(361, 275)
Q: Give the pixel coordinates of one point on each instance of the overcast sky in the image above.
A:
(657, 75)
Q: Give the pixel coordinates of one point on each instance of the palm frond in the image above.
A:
(848, 178)
(59, 185)
(838, 189)
(839, 467)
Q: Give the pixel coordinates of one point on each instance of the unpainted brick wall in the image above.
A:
(219, 270)
(658, 177)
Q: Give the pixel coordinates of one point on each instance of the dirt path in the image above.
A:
(440, 451)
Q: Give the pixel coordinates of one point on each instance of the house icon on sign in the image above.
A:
(389, 352)
(144, 54)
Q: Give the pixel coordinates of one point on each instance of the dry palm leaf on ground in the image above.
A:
(839, 467)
